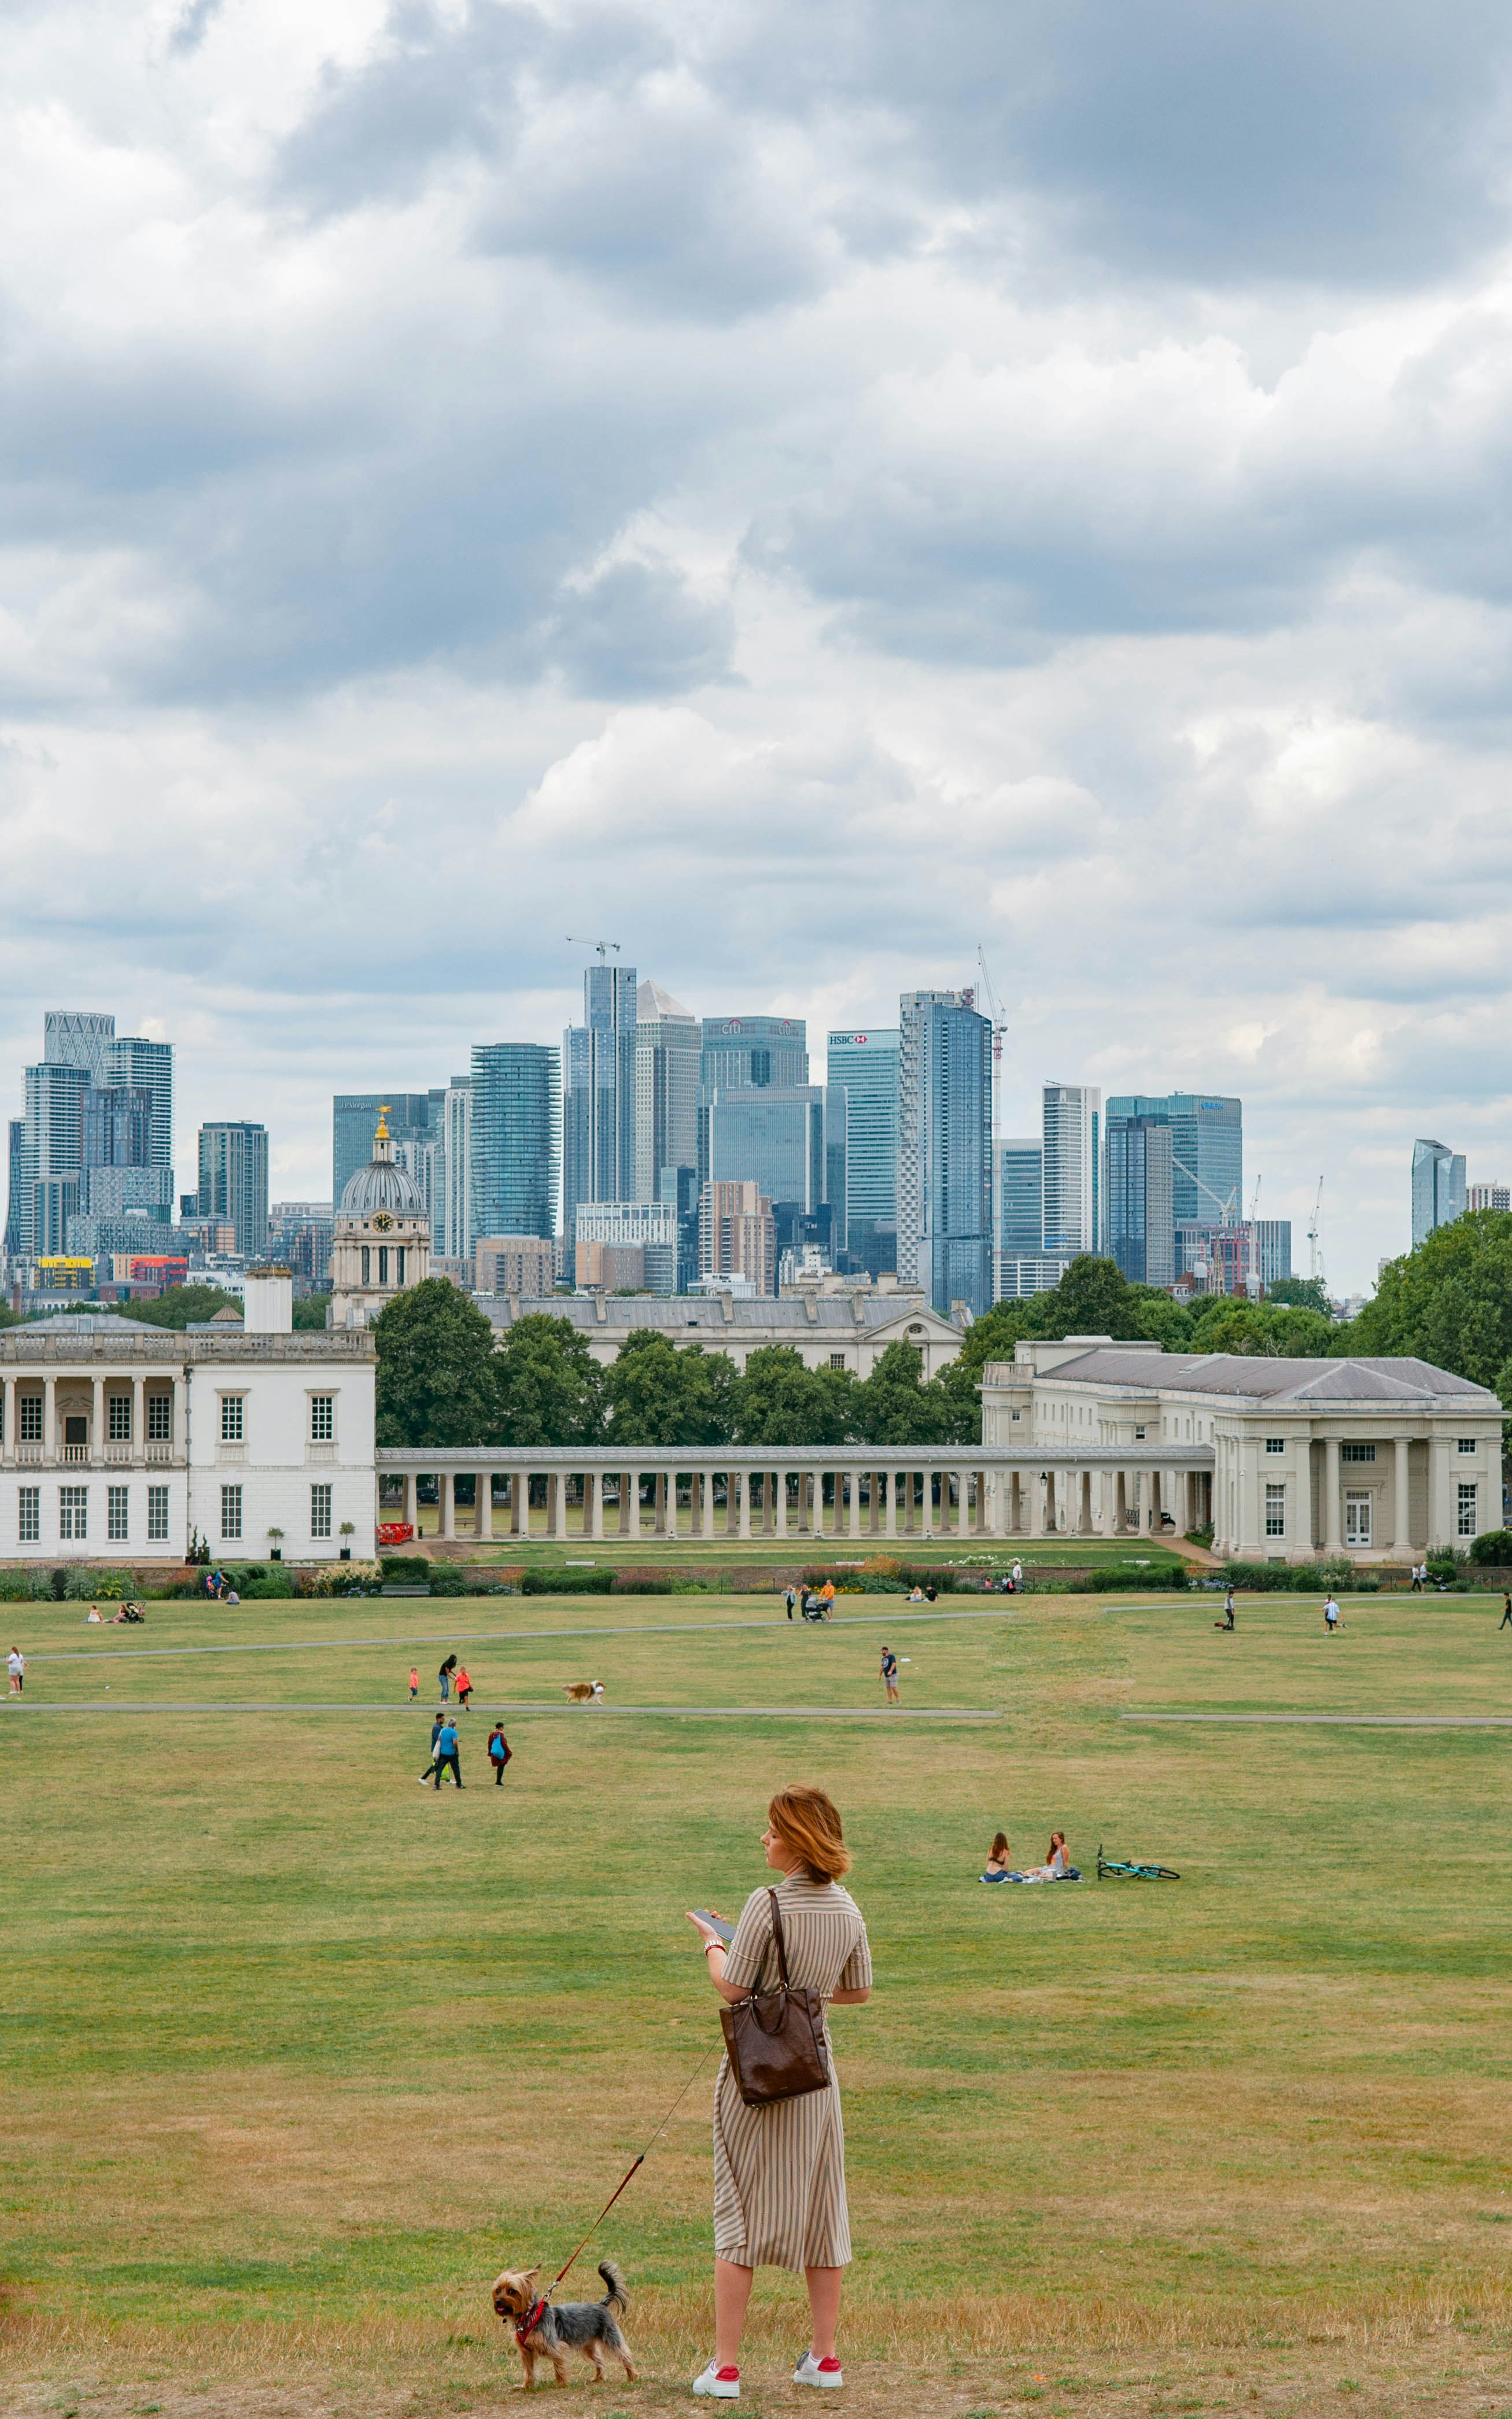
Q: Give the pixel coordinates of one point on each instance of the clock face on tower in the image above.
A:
(382, 1222)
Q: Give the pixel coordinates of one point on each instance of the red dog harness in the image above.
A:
(529, 2322)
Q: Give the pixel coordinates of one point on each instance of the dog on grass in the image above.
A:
(582, 1692)
(544, 2332)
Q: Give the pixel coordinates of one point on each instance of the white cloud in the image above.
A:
(805, 492)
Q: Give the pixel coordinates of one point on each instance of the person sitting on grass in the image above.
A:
(997, 1860)
(1057, 1865)
(915, 1593)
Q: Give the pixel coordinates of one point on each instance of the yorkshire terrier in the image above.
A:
(544, 2332)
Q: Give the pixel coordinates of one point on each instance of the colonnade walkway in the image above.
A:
(866, 1492)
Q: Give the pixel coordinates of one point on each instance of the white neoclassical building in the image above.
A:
(1377, 1459)
(120, 1442)
(382, 1242)
(838, 1324)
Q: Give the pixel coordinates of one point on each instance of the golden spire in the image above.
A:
(382, 1133)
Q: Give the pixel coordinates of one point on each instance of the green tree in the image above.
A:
(959, 1413)
(893, 1407)
(1450, 1301)
(1228, 1323)
(436, 1377)
(780, 1400)
(655, 1394)
(180, 1306)
(549, 1388)
(1302, 1293)
(310, 1312)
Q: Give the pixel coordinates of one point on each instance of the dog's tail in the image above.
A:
(616, 2298)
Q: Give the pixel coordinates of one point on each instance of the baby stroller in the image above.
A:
(810, 1606)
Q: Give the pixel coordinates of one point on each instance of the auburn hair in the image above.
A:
(1000, 1847)
(805, 1819)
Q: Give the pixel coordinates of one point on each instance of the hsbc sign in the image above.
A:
(851, 1041)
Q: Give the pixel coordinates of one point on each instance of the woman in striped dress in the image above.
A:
(779, 2169)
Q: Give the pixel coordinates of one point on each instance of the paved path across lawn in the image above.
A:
(522, 1705)
(409, 1638)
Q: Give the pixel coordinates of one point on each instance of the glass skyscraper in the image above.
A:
(1141, 1219)
(598, 1144)
(1071, 1184)
(1022, 1208)
(668, 1070)
(516, 1138)
(863, 1067)
(1207, 1149)
(945, 1149)
(1438, 1188)
(774, 1138)
(233, 1181)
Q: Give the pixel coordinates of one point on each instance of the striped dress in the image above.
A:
(779, 2170)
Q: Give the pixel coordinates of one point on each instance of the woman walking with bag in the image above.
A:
(779, 2162)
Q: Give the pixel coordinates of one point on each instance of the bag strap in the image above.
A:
(781, 1946)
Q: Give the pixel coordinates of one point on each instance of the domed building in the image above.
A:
(381, 1245)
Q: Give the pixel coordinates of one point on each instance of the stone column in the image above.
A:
(890, 1476)
(49, 1419)
(97, 1419)
(483, 1504)
(1443, 1460)
(7, 1419)
(854, 1476)
(707, 1501)
(963, 1509)
(779, 1501)
(1333, 1511)
(659, 1517)
(1401, 1498)
(559, 1504)
(139, 1420)
(740, 1481)
(447, 1507)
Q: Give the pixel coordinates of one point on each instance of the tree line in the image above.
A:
(444, 1379)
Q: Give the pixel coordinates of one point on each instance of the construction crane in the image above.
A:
(602, 947)
(1314, 1233)
(995, 1012)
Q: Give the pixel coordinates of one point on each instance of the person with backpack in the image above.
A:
(498, 1752)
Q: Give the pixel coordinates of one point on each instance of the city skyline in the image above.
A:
(287, 1158)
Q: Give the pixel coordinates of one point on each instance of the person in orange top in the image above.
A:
(826, 1597)
(414, 1682)
(464, 1688)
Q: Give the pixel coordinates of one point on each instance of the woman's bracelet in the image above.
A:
(711, 1944)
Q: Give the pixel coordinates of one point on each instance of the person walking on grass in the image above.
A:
(826, 1600)
(464, 1688)
(889, 1676)
(448, 1752)
(780, 2168)
(435, 1728)
(497, 1753)
(1417, 1580)
(1506, 1622)
(16, 1665)
(414, 1682)
(1331, 1616)
(789, 1597)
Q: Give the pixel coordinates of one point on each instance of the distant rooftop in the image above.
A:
(1310, 1384)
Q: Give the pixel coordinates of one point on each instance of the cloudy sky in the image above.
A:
(804, 491)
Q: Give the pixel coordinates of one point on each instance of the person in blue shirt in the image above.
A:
(432, 1768)
(446, 1752)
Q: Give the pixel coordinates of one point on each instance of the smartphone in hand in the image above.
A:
(715, 1924)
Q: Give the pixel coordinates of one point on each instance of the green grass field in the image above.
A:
(297, 2056)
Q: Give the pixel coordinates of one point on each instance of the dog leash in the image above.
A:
(639, 2162)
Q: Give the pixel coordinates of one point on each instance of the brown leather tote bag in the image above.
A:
(776, 2039)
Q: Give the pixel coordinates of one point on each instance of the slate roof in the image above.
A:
(767, 1315)
(1405, 1384)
